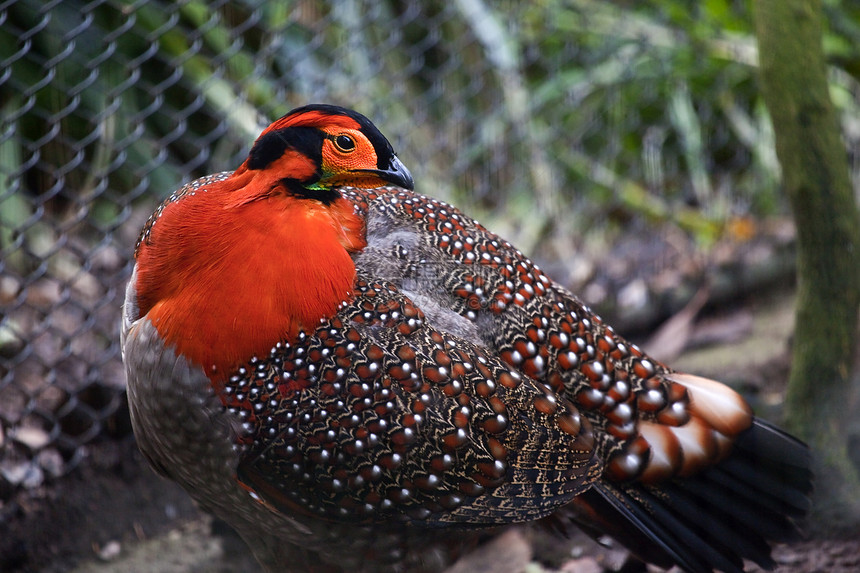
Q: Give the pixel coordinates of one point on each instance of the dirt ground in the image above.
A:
(115, 516)
(112, 514)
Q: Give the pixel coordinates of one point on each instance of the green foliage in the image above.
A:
(570, 108)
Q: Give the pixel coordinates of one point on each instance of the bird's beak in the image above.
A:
(397, 174)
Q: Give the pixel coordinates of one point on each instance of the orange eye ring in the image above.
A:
(344, 143)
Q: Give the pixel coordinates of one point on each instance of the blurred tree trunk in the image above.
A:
(822, 394)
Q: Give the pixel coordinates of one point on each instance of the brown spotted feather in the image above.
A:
(377, 416)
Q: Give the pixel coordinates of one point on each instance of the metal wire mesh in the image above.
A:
(539, 113)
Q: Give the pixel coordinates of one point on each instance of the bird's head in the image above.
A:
(316, 148)
(231, 265)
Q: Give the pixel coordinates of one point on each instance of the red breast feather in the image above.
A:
(228, 269)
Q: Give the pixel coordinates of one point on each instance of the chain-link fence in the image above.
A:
(568, 117)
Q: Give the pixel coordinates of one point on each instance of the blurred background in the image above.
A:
(622, 143)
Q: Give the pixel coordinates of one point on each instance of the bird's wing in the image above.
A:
(378, 412)
(651, 423)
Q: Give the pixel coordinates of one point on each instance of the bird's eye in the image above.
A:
(344, 143)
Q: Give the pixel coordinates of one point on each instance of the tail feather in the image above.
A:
(777, 463)
(760, 514)
(774, 495)
(606, 510)
(714, 519)
(719, 537)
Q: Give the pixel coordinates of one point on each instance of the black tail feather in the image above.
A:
(723, 532)
(604, 509)
(759, 514)
(717, 518)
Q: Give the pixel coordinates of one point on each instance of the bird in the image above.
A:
(359, 377)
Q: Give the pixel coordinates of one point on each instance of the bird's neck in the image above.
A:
(223, 282)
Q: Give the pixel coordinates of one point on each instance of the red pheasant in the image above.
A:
(359, 377)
